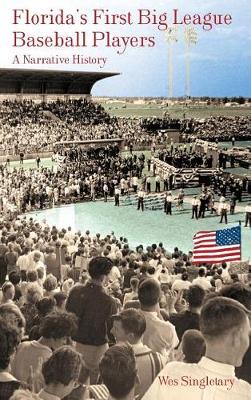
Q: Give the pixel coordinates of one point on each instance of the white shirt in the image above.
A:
(195, 202)
(33, 235)
(135, 180)
(223, 206)
(159, 335)
(69, 235)
(141, 193)
(153, 263)
(130, 296)
(169, 199)
(6, 377)
(33, 266)
(202, 282)
(179, 284)
(219, 381)
(164, 276)
(114, 275)
(29, 353)
(23, 262)
(225, 275)
(47, 396)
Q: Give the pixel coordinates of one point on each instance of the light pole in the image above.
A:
(191, 38)
(171, 37)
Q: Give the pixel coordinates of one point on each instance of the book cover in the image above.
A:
(169, 87)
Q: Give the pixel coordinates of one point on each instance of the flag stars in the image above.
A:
(228, 236)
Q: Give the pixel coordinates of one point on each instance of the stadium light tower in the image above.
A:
(171, 37)
(191, 38)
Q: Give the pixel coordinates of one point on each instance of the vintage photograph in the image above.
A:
(125, 200)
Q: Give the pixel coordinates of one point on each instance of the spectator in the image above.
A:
(35, 262)
(129, 326)
(23, 262)
(118, 372)
(3, 261)
(34, 293)
(52, 264)
(193, 346)
(8, 291)
(12, 315)
(225, 327)
(189, 319)
(201, 280)
(160, 335)
(94, 317)
(133, 294)
(129, 273)
(44, 307)
(60, 299)
(225, 274)
(15, 279)
(182, 283)
(22, 394)
(59, 380)
(50, 285)
(9, 340)
(67, 286)
(11, 258)
(56, 329)
(242, 293)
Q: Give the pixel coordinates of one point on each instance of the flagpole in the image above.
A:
(240, 238)
(171, 38)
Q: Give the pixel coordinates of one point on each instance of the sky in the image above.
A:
(220, 61)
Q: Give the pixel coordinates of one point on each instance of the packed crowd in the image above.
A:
(121, 319)
(82, 111)
(36, 127)
(81, 175)
(88, 317)
(185, 158)
(154, 123)
(46, 124)
(217, 129)
(101, 173)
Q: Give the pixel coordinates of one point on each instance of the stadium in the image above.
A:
(125, 240)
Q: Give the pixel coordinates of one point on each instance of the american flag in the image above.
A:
(217, 246)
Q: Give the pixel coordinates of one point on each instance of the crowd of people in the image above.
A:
(102, 172)
(217, 128)
(154, 123)
(85, 316)
(81, 175)
(120, 319)
(36, 127)
(185, 158)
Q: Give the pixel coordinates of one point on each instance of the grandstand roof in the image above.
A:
(35, 81)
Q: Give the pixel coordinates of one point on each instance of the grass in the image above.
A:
(175, 111)
(140, 227)
(45, 162)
